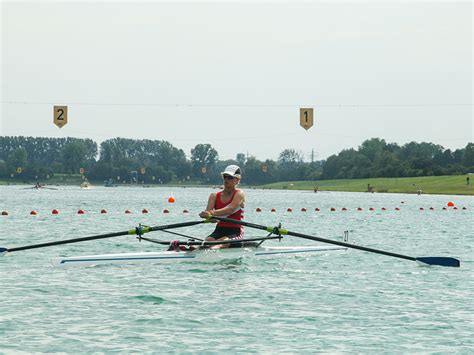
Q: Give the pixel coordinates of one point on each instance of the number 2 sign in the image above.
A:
(60, 116)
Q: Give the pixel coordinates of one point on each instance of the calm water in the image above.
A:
(341, 302)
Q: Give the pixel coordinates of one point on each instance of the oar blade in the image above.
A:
(3, 251)
(440, 261)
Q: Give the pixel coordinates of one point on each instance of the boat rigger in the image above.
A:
(202, 250)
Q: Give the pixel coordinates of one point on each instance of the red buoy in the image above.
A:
(166, 211)
(384, 209)
(289, 209)
(343, 209)
(450, 204)
(103, 210)
(371, 209)
(55, 211)
(144, 210)
(33, 213)
(317, 209)
(171, 199)
(332, 209)
(359, 208)
(128, 211)
(81, 212)
(258, 209)
(397, 209)
(273, 210)
(303, 209)
(4, 213)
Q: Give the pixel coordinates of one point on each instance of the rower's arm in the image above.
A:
(211, 202)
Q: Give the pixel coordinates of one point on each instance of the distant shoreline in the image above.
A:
(439, 185)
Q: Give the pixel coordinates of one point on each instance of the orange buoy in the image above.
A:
(303, 209)
(273, 210)
(289, 209)
(128, 211)
(258, 209)
(166, 211)
(144, 210)
(103, 210)
(33, 213)
(81, 212)
(317, 209)
(55, 211)
(171, 199)
(4, 213)
(450, 204)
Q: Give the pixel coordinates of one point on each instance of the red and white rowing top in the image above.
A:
(237, 215)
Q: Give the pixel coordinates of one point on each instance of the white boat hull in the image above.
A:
(206, 255)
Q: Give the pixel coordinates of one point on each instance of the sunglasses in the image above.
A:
(227, 177)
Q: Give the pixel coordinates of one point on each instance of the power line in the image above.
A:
(185, 105)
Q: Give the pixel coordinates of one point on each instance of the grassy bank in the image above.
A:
(450, 185)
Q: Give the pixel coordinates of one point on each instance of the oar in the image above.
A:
(137, 231)
(430, 260)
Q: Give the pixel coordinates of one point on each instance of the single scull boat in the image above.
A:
(199, 255)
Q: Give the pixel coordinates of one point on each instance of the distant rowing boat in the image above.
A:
(39, 186)
(198, 255)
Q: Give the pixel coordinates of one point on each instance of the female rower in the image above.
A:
(226, 203)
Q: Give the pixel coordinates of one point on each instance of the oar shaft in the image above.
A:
(353, 246)
(103, 236)
(442, 261)
(68, 241)
(317, 239)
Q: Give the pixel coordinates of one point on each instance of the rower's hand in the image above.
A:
(205, 214)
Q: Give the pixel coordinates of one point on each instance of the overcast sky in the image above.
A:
(234, 74)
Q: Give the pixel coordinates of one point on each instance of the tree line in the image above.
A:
(156, 161)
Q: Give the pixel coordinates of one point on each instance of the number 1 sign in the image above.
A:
(306, 118)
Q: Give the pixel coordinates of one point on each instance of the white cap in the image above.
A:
(232, 170)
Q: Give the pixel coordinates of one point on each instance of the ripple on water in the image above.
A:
(149, 299)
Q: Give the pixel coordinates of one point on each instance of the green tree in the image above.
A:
(468, 157)
(204, 156)
(74, 156)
